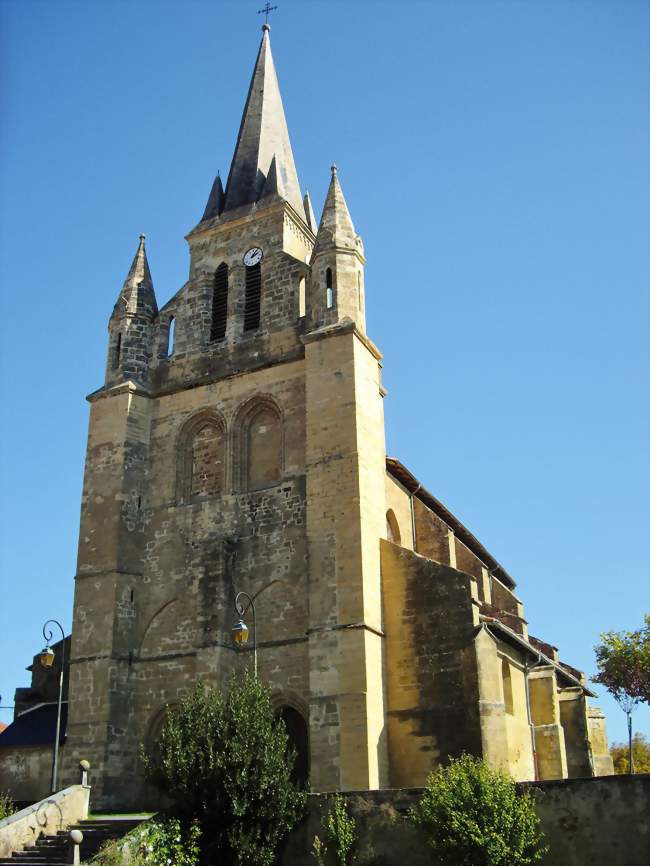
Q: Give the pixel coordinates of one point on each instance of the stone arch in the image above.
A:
(392, 528)
(155, 724)
(170, 629)
(259, 432)
(201, 457)
(295, 714)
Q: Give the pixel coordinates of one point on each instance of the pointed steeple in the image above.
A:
(309, 213)
(138, 296)
(262, 137)
(215, 202)
(336, 225)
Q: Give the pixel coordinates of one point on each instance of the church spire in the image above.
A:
(138, 296)
(263, 138)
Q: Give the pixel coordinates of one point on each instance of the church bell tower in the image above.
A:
(237, 443)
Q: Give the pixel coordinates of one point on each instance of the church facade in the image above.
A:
(238, 444)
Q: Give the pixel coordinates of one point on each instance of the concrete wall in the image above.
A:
(384, 837)
(586, 822)
(45, 818)
(600, 822)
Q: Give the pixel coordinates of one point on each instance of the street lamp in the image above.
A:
(46, 658)
(240, 631)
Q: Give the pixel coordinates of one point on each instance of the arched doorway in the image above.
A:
(298, 734)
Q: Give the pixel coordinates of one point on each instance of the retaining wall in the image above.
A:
(603, 821)
(47, 817)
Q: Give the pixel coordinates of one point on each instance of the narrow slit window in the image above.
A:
(329, 290)
(219, 303)
(117, 352)
(301, 298)
(253, 299)
(359, 302)
(171, 336)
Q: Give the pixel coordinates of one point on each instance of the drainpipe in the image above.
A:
(527, 668)
(412, 495)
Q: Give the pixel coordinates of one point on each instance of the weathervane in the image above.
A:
(268, 8)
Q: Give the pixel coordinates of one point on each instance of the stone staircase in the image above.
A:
(54, 850)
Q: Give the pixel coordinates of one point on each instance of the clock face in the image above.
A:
(253, 257)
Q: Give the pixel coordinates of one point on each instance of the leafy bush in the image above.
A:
(340, 834)
(159, 842)
(226, 761)
(474, 816)
(7, 807)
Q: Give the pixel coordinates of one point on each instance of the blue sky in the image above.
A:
(494, 156)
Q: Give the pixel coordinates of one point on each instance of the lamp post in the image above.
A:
(240, 631)
(46, 658)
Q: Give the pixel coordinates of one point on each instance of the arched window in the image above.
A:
(219, 303)
(301, 298)
(117, 352)
(329, 289)
(263, 444)
(171, 336)
(392, 527)
(207, 461)
(507, 686)
(253, 299)
(298, 735)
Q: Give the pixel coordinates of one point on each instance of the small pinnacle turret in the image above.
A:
(216, 200)
(336, 226)
(337, 264)
(309, 213)
(138, 296)
(130, 325)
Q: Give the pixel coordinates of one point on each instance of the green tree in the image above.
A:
(474, 816)
(226, 761)
(640, 752)
(623, 660)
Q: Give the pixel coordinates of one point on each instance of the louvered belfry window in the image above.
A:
(253, 298)
(220, 303)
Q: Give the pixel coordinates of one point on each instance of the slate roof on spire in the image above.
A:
(336, 225)
(263, 136)
(138, 296)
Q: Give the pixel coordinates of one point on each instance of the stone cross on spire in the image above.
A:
(268, 8)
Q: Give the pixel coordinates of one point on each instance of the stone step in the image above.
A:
(54, 850)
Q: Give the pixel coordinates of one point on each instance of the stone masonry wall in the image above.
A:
(143, 636)
(600, 822)
(431, 669)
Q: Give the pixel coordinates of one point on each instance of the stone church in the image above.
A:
(238, 444)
